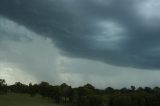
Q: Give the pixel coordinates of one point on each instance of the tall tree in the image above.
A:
(3, 86)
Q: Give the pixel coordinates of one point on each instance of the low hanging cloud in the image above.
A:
(116, 32)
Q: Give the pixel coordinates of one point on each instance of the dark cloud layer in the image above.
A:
(111, 31)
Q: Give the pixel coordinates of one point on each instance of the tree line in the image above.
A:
(87, 95)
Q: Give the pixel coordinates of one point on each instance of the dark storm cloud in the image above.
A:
(78, 28)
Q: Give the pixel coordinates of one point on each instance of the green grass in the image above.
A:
(25, 100)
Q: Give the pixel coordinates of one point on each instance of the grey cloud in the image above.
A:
(73, 24)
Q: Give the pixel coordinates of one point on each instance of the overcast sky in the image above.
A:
(103, 42)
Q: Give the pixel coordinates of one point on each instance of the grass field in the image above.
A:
(25, 100)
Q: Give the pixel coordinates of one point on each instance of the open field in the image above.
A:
(25, 100)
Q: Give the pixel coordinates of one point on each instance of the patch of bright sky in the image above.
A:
(111, 36)
(149, 11)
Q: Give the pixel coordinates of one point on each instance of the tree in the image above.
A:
(89, 86)
(44, 88)
(57, 93)
(109, 90)
(18, 87)
(66, 92)
(124, 90)
(148, 89)
(33, 89)
(133, 88)
(2, 82)
(156, 90)
(3, 86)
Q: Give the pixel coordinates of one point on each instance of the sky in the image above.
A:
(102, 42)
